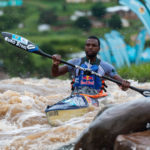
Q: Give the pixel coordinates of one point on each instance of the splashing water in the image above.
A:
(23, 123)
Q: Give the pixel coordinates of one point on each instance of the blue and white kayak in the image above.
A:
(70, 107)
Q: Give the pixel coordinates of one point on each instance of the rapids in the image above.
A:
(23, 123)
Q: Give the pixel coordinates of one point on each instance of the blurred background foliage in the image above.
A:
(136, 72)
(65, 36)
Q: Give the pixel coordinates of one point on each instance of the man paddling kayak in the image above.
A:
(85, 82)
(77, 104)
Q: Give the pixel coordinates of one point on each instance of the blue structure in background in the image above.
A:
(139, 47)
(115, 50)
(5, 3)
(146, 55)
(148, 4)
(104, 52)
(131, 53)
(122, 46)
(138, 8)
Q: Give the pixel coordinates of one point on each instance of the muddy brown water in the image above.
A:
(23, 123)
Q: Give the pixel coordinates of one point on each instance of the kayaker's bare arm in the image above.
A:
(56, 69)
(125, 84)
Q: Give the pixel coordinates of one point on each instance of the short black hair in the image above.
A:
(94, 37)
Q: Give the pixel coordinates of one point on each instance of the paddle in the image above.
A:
(25, 44)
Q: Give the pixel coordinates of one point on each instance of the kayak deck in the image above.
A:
(73, 106)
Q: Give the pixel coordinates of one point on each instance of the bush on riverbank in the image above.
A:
(140, 72)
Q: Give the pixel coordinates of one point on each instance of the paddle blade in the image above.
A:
(20, 42)
(146, 93)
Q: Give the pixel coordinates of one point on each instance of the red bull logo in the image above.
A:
(87, 80)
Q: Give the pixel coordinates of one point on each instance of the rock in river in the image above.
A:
(124, 118)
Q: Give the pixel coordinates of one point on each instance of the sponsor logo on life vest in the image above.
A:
(87, 80)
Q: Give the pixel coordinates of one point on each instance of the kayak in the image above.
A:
(70, 107)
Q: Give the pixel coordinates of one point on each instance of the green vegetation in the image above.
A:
(98, 10)
(140, 72)
(63, 38)
(115, 22)
(83, 23)
(48, 16)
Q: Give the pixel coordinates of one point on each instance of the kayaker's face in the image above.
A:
(91, 48)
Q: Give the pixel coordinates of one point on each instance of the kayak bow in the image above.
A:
(70, 107)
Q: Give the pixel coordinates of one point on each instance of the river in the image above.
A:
(23, 123)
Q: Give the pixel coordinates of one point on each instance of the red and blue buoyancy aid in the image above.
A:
(90, 80)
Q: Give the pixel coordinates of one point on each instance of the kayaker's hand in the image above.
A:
(125, 85)
(56, 59)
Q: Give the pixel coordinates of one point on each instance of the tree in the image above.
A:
(115, 22)
(98, 10)
(83, 23)
(12, 17)
(15, 62)
(48, 17)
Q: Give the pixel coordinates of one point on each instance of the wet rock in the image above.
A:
(138, 141)
(122, 118)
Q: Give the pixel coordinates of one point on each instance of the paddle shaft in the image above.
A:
(118, 82)
(40, 52)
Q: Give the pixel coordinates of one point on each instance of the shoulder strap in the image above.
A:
(82, 60)
(98, 61)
